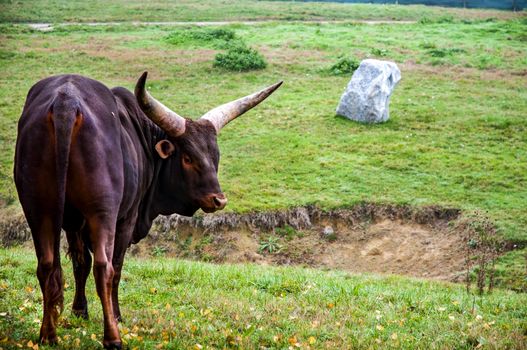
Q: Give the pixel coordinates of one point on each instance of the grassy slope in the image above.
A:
(456, 137)
(211, 10)
(456, 134)
(246, 306)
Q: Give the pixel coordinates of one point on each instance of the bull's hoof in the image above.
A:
(49, 339)
(114, 345)
(81, 313)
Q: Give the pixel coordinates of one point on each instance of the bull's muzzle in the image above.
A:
(214, 202)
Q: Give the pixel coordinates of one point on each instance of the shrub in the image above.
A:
(379, 52)
(240, 58)
(217, 37)
(345, 65)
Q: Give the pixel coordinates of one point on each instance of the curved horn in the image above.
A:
(172, 123)
(223, 114)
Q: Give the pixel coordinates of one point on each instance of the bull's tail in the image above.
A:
(63, 113)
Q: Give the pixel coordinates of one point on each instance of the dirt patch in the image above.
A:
(379, 239)
(387, 239)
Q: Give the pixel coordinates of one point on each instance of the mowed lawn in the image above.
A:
(457, 137)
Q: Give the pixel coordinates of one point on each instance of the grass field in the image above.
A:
(457, 137)
(210, 10)
(172, 304)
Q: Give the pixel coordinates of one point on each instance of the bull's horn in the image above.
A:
(223, 114)
(172, 123)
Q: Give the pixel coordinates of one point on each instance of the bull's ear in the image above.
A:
(165, 148)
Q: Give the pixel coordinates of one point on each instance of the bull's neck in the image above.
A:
(148, 209)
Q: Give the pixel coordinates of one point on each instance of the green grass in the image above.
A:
(180, 304)
(209, 10)
(457, 134)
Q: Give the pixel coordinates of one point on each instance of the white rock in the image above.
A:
(367, 95)
(328, 231)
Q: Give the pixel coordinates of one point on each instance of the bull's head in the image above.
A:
(192, 148)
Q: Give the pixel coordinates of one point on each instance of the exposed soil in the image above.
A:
(381, 240)
(424, 242)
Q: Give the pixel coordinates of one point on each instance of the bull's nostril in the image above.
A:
(219, 202)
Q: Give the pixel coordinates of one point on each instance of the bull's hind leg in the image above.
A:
(117, 265)
(49, 273)
(102, 235)
(81, 261)
(122, 241)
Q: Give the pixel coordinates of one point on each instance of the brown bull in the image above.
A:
(103, 164)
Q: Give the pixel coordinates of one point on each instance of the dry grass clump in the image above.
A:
(13, 227)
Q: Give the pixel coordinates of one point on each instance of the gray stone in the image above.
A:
(329, 234)
(367, 95)
(328, 231)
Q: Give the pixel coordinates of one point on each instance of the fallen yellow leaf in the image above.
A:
(380, 327)
(29, 344)
(93, 336)
(312, 340)
(394, 336)
(292, 340)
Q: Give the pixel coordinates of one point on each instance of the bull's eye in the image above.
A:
(187, 160)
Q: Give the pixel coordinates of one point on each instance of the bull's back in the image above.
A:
(67, 136)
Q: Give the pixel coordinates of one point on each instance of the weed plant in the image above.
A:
(240, 58)
(344, 66)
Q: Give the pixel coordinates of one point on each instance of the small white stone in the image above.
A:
(328, 231)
